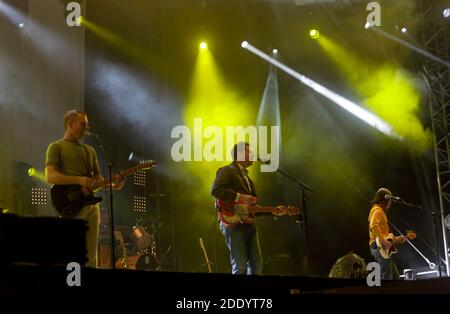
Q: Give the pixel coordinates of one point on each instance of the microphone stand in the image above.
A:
(110, 165)
(438, 262)
(303, 187)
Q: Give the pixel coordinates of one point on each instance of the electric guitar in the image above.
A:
(70, 199)
(231, 214)
(386, 253)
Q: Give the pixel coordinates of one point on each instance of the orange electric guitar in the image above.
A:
(386, 253)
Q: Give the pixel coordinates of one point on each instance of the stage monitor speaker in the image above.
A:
(42, 240)
(349, 266)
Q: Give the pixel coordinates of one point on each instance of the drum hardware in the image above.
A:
(205, 255)
(144, 252)
(123, 261)
(141, 237)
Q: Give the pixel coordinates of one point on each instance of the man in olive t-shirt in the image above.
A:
(69, 161)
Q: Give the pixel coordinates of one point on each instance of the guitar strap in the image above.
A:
(87, 161)
(244, 173)
(249, 187)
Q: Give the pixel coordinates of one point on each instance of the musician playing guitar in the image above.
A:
(382, 242)
(233, 186)
(71, 162)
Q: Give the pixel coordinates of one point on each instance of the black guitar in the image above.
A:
(69, 200)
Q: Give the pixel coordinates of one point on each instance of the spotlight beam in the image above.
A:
(344, 103)
(410, 46)
(13, 15)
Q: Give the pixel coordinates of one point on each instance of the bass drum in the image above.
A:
(146, 261)
(141, 237)
(142, 261)
(127, 263)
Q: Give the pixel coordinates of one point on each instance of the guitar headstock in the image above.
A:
(146, 164)
(410, 234)
(289, 210)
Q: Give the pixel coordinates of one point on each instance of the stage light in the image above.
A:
(79, 20)
(31, 172)
(36, 174)
(203, 45)
(244, 44)
(447, 222)
(404, 29)
(15, 12)
(275, 51)
(446, 13)
(368, 25)
(314, 33)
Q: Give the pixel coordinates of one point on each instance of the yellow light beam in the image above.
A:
(387, 90)
(213, 105)
(358, 111)
(34, 173)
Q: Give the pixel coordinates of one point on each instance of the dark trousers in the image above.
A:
(388, 268)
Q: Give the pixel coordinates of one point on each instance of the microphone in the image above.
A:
(265, 162)
(395, 198)
(90, 134)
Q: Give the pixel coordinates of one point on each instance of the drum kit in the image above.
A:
(145, 255)
(136, 248)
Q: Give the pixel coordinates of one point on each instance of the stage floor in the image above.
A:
(52, 279)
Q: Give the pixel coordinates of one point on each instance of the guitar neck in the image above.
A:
(105, 182)
(260, 209)
(399, 240)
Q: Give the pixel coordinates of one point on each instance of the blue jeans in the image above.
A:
(388, 267)
(245, 254)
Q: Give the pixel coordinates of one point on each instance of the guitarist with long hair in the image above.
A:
(381, 241)
(71, 162)
(232, 186)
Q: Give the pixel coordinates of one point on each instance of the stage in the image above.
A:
(190, 109)
(29, 279)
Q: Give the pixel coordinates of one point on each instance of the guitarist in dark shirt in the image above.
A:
(233, 186)
(71, 162)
